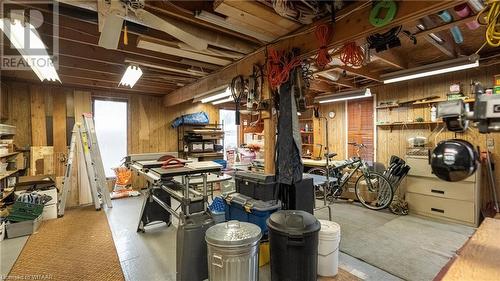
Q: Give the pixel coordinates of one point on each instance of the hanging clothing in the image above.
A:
(289, 166)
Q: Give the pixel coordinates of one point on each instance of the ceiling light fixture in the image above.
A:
(345, 95)
(35, 54)
(216, 96)
(229, 99)
(131, 76)
(432, 69)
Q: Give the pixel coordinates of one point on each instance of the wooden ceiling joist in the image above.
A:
(389, 57)
(144, 43)
(217, 39)
(353, 27)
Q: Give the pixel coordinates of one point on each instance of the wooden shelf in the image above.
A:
(397, 124)
(8, 174)
(305, 119)
(419, 103)
(8, 154)
(307, 144)
(387, 106)
(306, 132)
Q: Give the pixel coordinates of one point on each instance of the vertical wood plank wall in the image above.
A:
(395, 142)
(30, 105)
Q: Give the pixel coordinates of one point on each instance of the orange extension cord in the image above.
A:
(279, 66)
(324, 34)
(351, 54)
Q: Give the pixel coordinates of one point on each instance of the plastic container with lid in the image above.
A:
(293, 238)
(328, 248)
(233, 251)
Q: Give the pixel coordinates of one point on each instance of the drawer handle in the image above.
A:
(437, 191)
(437, 210)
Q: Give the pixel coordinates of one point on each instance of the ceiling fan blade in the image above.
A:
(169, 27)
(111, 31)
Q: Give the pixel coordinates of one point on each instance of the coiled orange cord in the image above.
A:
(324, 34)
(351, 54)
(279, 65)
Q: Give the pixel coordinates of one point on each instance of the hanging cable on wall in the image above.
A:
(491, 21)
(324, 34)
(237, 89)
(352, 55)
(279, 65)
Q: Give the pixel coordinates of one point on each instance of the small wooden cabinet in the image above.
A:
(430, 196)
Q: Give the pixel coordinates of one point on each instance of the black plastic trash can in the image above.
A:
(293, 240)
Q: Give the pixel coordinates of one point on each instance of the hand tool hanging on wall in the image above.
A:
(255, 82)
(237, 89)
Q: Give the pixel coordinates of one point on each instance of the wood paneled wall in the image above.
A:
(395, 142)
(43, 114)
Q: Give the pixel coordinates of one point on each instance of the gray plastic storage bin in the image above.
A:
(22, 228)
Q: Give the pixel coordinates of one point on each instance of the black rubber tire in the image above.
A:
(388, 191)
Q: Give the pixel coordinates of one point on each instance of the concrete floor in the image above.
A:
(10, 249)
(151, 255)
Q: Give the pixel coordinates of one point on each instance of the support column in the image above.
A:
(269, 131)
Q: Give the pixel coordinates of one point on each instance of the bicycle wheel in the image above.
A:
(320, 172)
(374, 191)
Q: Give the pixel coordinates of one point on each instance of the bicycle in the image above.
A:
(373, 190)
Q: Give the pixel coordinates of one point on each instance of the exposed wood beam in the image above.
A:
(389, 57)
(363, 72)
(448, 47)
(145, 43)
(324, 85)
(349, 28)
(446, 26)
(76, 82)
(214, 38)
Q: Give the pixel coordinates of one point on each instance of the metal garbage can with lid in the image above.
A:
(233, 251)
(293, 239)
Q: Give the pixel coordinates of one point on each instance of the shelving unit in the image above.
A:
(7, 132)
(205, 142)
(310, 137)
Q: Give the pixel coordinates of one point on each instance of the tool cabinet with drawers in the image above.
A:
(429, 196)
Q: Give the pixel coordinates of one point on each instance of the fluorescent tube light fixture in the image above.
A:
(217, 96)
(35, 55)
(346, 95)
(229, 99)
(131, 76)
(432, 69)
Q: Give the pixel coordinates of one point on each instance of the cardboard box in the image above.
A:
(23, 228)
(49, 212)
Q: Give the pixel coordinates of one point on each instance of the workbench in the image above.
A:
(177, 183)
(479, 258)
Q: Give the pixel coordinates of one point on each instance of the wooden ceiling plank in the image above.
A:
(252, 20)
(261, 11)
(218, 39)
(447, 47)
(389, 57)
(349, 28)
(161, 48)
(446, 26)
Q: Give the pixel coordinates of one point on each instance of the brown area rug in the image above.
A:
(78, 246)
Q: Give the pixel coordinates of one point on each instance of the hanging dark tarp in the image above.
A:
(289, 165)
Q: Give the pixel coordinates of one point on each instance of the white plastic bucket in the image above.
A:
(328, 248)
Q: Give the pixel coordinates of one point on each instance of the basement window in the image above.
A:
(111, 128)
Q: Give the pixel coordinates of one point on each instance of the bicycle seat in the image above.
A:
(330, 155)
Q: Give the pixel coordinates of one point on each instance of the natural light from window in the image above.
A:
(111, 129)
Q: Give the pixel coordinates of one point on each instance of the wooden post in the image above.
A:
(269, 131)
